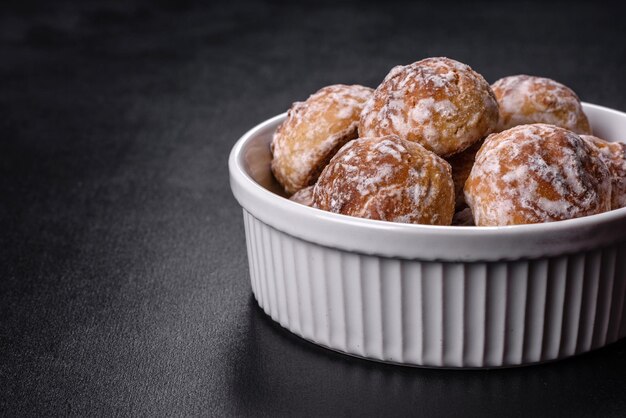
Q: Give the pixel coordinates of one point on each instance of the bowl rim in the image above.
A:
(432, 242)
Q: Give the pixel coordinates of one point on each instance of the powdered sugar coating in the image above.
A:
(387, 179)
(614, 156)
(536, 173)
(439, 103)
(313, 131)
(525, 99)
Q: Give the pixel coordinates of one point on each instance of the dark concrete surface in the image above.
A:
(123, 273)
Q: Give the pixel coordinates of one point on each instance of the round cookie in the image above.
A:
(536, 173)
(439, 103)
(303, 196)
(614, 156)
(461, 165)
(388, 179)
(525, 99)
(313, 131)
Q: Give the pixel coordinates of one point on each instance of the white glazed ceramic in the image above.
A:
(435, 296)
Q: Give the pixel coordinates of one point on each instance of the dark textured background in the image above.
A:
(123, 274)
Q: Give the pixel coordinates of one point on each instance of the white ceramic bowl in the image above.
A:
(435, 296)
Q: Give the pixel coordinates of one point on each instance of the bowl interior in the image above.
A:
(256, 156)
(606, 123)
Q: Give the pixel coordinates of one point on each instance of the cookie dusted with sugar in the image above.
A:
(614, 156)
(313, 131)
(387, 179)
(536, 173)
(303, 196)
(525, 99)
(439, 103)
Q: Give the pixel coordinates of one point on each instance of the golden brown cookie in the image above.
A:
(313, 131)
(536, 173)
(461, 165)
(388, 179)
(614, 156)
(525, 99)
(439, 103)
